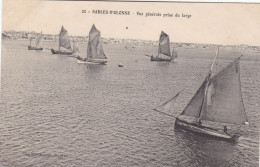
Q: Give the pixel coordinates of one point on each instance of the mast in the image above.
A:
(207, 84)
(219, 98)
(224, 101)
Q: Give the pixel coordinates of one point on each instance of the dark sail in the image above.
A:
(194, 106)
(64, 38)
(164, 45)
(223, 101)
(38, 39)
(95, 48)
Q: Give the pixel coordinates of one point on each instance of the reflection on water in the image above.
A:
(205, 150)
(92, 71)
(58, 112)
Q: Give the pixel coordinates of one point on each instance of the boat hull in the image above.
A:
(100, 62)
(61, 52)
(34, 48)
(153, 58)
(204, 130)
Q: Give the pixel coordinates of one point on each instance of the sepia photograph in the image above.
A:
(129, 83)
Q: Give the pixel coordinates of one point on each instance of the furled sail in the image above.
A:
(223, 101)
(64, 38)
(164, 44)
(38, 39)
(95, 48)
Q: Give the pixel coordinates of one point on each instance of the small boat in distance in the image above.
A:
(217, 108)
(63, 42)
(37, 42)
(95, 52)
(164, 51)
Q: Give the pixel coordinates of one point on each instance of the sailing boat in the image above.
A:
(217, 102)
(174, 53)
(164, 51)
(75, 46)
(95, 52)
(75, 49)
(37, 42)
(63, 42)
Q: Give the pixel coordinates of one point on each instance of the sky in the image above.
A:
(215, 23)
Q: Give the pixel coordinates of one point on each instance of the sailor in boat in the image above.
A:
(225, 130)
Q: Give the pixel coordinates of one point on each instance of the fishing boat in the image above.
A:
(164, 51)
(63, 42)
(95, 52)
(37, 42)
(217, 108)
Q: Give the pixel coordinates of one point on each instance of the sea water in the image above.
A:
(55, 112)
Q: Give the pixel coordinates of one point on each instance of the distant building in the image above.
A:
(6, 36)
